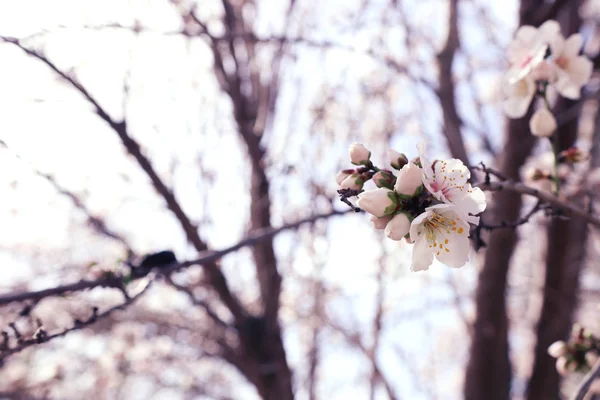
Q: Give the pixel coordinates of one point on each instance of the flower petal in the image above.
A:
(422, 256)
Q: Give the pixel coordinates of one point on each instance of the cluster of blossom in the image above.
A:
(539, 171)
(431, 204)
(542, 58)
(580, 353)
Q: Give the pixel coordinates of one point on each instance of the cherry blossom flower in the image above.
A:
(446, 180)
(572, 70)
(398, 227)
(528, 49)
(442, 233)
(359, 155)
(542, 123)
(378, 202)
(518, 97)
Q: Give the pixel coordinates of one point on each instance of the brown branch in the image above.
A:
(97, 223)
(39, 339)
(446, 90)
(116, 281)
(217, 278)
(355, 339)
(566, 207)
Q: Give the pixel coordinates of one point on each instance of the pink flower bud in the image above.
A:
(378, 202)
(397, 160)
(563, 366)
(380, 223)
(339, 178)
(557, 349)
(409, 179)
(384, 179)
(354, 182)
(398, 227)
(542, 123)
(359, 155)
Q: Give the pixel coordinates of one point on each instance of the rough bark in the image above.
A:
(488, 374)
(566, 254)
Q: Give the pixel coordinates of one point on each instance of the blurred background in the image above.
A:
(131, 127)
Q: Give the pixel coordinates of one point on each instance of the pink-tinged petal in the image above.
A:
(580, 70)
(409, 179)
(378, 202)
(549, 30)
(398, 227)
(518, 97)
(572, 46)
(422, 256)
(557, 45)
(380, 223)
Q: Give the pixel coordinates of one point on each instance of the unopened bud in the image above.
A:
(542, 123)
(398, 227)
(354, 182)
(564, 366)
(384, 178)
(343, 174)
(380, 223)
(397, 160)
(409, 179)
(378, 202)
(359, 155)
(557, 349)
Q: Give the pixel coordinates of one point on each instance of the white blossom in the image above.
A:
(398, 227)
(378, 202)
(447, 181)
(439, 232)
(359, 154)
(572, 71)
(542, 123)
(409, 179)
(557, 349)
(528, 49)
(518, 97)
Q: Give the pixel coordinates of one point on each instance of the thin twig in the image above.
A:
(78, 324)
(116, 281)
(587, 381)
(566, 207)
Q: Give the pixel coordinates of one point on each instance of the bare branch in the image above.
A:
(566, 207)
(116, 281)
(43, 338)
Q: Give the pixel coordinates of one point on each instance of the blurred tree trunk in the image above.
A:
(566, 254)
(488, 374)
